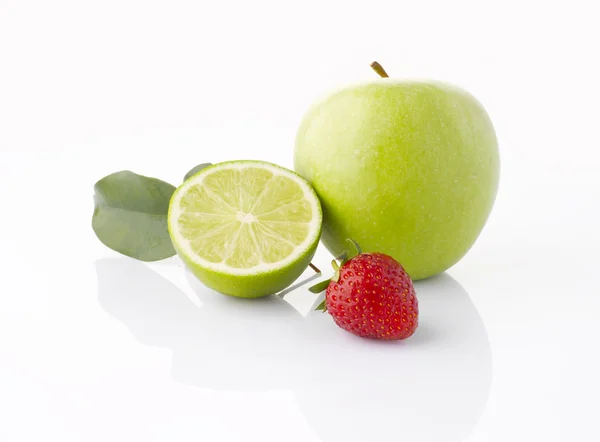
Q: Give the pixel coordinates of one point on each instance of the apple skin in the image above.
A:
(406, 168)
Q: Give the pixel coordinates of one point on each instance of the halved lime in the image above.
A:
(245, 228)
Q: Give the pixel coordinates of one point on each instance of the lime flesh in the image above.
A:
(245, 228)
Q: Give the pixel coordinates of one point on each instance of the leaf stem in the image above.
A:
(315, 268)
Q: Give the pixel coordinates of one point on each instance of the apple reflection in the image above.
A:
(430, 387)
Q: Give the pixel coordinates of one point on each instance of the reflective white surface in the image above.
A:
(256, 346)
(97, 347)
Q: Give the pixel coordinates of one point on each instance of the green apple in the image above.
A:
(406, 168)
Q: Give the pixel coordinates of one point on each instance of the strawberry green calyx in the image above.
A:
(318, 288)
(336, 270)
(352, 249)
(322, 306)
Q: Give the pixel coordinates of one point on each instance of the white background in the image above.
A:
(96, 347)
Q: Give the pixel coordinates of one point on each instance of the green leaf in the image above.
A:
(195, 170)
(130, 215)
(319, 287)
(322, 306)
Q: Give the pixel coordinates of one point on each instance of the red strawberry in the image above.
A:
(373, 297)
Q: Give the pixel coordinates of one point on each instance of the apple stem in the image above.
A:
(379, 69)
(315, 268)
